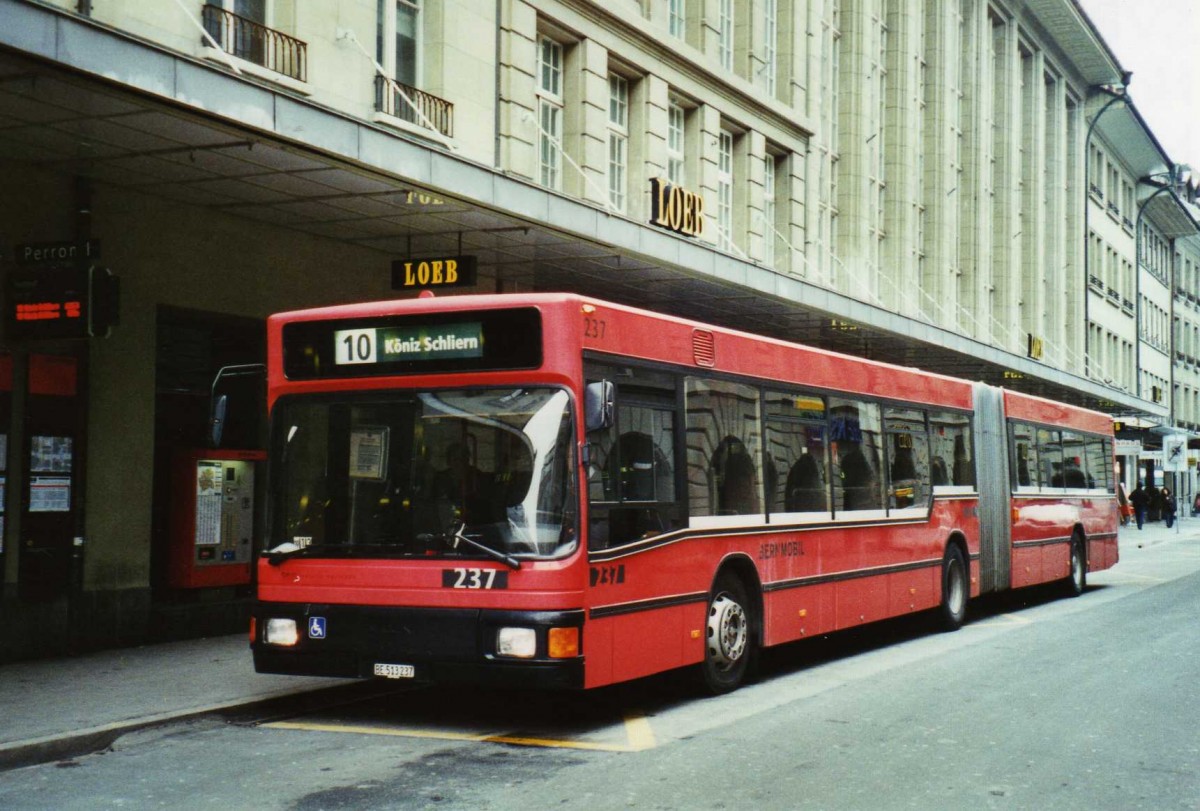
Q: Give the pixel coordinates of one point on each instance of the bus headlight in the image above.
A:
(517, 642)
(282, 632)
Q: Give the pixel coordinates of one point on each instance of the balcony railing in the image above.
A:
(438, 112)
(256, 43)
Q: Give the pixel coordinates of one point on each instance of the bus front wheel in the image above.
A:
(729, 642)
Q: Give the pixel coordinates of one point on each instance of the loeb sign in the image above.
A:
(450, 271)
(675, 208)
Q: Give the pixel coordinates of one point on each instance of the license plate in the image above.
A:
(395, 671)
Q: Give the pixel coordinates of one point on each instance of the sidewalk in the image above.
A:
(1155, 532)
(53, 709)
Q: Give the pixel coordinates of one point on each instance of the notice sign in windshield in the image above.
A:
(416, 343)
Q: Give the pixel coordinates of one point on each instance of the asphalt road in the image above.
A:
(1038, 703)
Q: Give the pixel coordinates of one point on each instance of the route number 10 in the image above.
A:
(354, 346)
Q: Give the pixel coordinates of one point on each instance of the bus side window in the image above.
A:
(631, 472)
(1050, 456)
(951, 461)
(724, 448)
(805, 486)
(1023, 447)
(907, 448)
(855, 434)
(645, 454)
(1096, 470)
(797, 458)
(1074, 462)
(733, 478)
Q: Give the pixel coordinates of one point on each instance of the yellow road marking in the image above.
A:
(638, 733)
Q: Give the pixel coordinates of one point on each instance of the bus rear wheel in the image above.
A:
(1076, 580)
(953, 609)
(729, 644)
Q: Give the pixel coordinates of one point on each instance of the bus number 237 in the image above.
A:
(593, 328)
(474, 579)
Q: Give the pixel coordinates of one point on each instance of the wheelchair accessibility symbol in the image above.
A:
(316, 628)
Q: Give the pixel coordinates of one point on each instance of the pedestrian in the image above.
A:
(1123, 506)
(1140, 499)
(1168, 507)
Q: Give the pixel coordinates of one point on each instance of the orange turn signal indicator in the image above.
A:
(563, 643)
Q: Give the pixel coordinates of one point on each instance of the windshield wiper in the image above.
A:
(289, 550)
(456, 536)
(334, 550)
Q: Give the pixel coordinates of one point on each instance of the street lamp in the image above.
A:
(1118, 93)
(1173, 177)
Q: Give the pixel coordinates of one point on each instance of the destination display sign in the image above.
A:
(413, 343)
(390, 344)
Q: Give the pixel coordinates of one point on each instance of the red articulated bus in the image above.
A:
(553, 491)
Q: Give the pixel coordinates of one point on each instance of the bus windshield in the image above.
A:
(404, 474)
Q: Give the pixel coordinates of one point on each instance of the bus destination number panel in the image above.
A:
(420, 344)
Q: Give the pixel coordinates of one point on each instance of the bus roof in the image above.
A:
(644, 335)
(1020, 406)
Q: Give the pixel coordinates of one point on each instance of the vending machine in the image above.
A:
(212, 517)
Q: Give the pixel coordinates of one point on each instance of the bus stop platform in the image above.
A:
(56, 709)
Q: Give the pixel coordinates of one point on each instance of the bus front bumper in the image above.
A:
(429, 645)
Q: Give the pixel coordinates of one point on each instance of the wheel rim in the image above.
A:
(727, 631)
(1076, 567)
(955, 587)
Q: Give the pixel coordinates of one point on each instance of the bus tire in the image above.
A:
(729, 644)
(1076, 580)
(955, 589)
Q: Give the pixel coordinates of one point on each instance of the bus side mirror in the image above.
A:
(216, 422)
(219, 402)
(598, 401)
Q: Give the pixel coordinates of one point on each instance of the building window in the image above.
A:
(397, 39)
(618, 139)
(676, 116)
(769, 209)
(550, 112)
(770, 23)
(677, 18)
(725, 34)
(725, 191)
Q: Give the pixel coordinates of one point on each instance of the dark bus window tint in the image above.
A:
(797, 465)
(724, 448)
(1023, 445)
(645, 458)
(631, 470)
(854, 434)
(1050, 457)
(1099, 462)
(951, 456)
(907, 446)
(1075, 473)
(1106, 459)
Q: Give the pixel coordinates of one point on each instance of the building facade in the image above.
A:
(964, 185)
